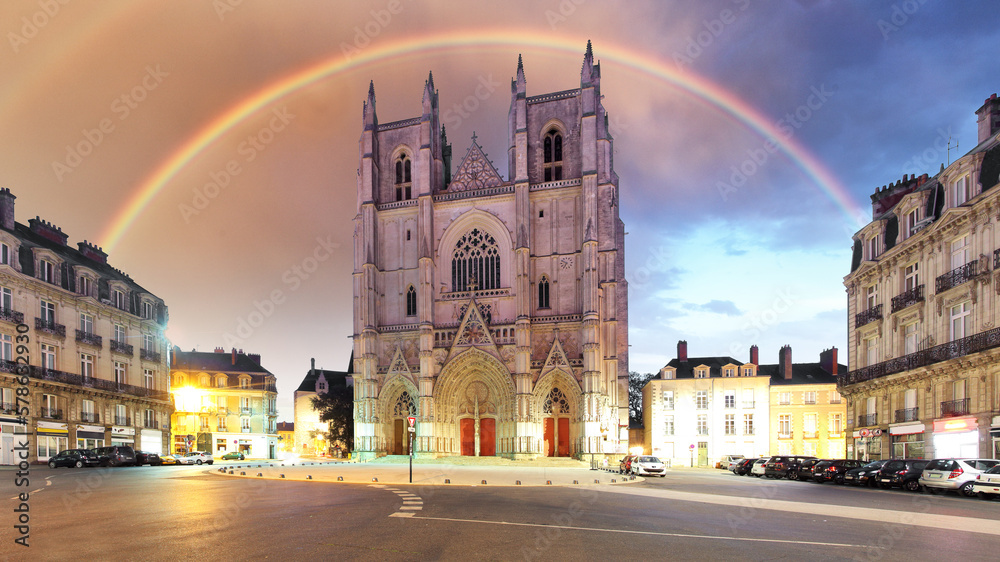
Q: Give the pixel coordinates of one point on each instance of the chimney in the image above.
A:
(828, 361)
(989, 118)
(7, 209)
(234, 356)
(785, 362)
(220, 350)
(682, 351)
(93, 252)
(754, 355)
(48, 230)
(312, 364)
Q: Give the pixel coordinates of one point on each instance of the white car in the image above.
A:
(954, 474)
(649, 466)
(196, 457)
(758, 467)
(987, 483)
(728, 462)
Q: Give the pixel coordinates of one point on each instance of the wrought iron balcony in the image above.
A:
(123, 420)
(11, 316)
(246, 411)
(151, 424)
(865, 420)
(149, 355)
(51, 413)
(7, 407)
(955, 408)
(89, 338)
(87, 382)
(907, 415)
(872, 314)
(908, 298)
(246, 430)
(50, 327)
(90, 417)
(950, 350)
(121, 347)
(957, 276)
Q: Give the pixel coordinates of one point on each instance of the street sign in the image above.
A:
(411, 429)
(412, 420)
(691, 447)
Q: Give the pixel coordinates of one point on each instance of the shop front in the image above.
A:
(11, 428)
(868, 444)
(51, 437)
(151, 440)
(995, 436)
(956, 438)
(122, 436)
(907, 441)
(89, 436)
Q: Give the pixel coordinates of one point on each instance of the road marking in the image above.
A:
(654, 533)
(932, 520)
(411, 503)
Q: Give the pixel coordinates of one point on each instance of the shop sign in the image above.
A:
(118, 430)
(955, 425)
(907, 429)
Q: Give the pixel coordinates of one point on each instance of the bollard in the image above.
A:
(309, 476)
(243, 473)
(484, 482)
(548, 482)
(517, 482)
(447, 480)
(596, 481)
(340, 479)
(282, 475)
(374, 479)
(575, 482)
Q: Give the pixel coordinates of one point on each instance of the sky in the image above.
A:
(211, 147)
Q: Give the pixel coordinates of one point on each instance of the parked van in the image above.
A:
(119, 455)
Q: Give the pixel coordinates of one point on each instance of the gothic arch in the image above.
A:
(489, 224)
(390, 393)
(474, 385)
(566, 383)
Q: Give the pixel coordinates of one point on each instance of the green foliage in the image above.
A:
(635, 383)
(336, 407)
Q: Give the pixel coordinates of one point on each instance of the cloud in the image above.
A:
(716, 306)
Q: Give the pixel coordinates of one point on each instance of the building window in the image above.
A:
(552, 155)
(147, 378)
(747, 371)
(871, 350)
(220, 381)
(669, 374)
(121, 417)
(245, 404)
(748, 424)
(87, 411)
(86, 366)
(784, 398)
(910, 338)
(84, 286)
(244, 382)
(668, 425)
(6, 301)
(119, 333)
(960, 192)
(46, 271)
(118, 299)
(543, 292)
(203, 422)
(911, 276)
(6, 347)
(730, 399)
(149, 342)
(784, 424)
(48, 356)
(119, 372)
(874, 246)
(961, 251)
(147, 310)
(86, 323)
(730, 424)
(701, 399)
(961, 321)
(809, 397)
(748, 401)
(149, 419)
(47, 312)
(912, 218)
(701, 373)
(668, 400)
(4, 254)
(245, 425)
(836, 424)
(809, 425)
(871, 296)
(809, 448)
(835, 397)
(475, 262)
(411, 301)
(403, 178)
(729, 372)
(702, 424)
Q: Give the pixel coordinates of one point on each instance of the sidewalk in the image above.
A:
(425, 474)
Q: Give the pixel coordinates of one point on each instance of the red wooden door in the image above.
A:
(468, 430)
(550, 438)
(397, 446)
(563, 437)
(487, 437)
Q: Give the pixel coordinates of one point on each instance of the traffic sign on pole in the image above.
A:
(412, 420)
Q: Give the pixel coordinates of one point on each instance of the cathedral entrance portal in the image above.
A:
(556, 425)
(403, 408)
(478, 434)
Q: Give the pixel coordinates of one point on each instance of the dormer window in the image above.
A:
(244, 382)
(701, 373)
(961, 191)
(729, 372)
(403, 178)
(747, 371)
(912, 218)
(220, 381)
(118, 299)
(147, 310)
(85, 286)
(874, 246)
(4, 254)
(552, 155)
(46, 271)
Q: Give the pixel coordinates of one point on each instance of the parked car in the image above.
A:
(119, 455)
(954, 474)
(758, 467)
(625, 465)
(779, 466)
(902, 474)
(987, 484)
(728, 461)
(864, 476)
(145, 457)
(233, 456)
(834, 470)
(196, 457)
(803, 470)
(170, 459)
(743, 467)
(78, 458)
(648, 466)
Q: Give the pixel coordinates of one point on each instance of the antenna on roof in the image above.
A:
(950, 147)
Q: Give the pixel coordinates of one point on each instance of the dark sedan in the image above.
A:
(743, 468)
(834, 470)
(804, 470)
(862, 476)
(902, 474)
(78, 458)
(145, 457)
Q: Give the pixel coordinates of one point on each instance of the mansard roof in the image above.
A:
(338, 378)
(802, 373)
(685, 369)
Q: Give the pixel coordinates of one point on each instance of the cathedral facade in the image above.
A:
(491, 310)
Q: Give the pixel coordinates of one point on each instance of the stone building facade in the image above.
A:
(94, 342)
(311, 433)
(923, 312)
(493, 310)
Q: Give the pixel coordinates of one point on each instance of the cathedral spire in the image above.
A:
(517, 86)
(369, 107)
(587, 72)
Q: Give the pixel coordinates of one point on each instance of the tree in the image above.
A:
(635, 383)
(336, 407)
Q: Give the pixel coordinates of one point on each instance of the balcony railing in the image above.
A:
(11, 316)
(90, 417)
(907, 298)
(246, 411)
(810, 434)
(950, 350)
(907, 415)
(955, 408)
(50, 327)
(7, 407)
(89, 338)
(151, 424)
(121, 347)
(865, 420)
(872, 314)
(996, 259)
(85, 382)
(222, 427)
(246, 430)
(957, 276)
(786, 435)
(149, 355)
(122, 420)
(51, 413)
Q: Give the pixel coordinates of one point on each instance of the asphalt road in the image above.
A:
(187, 512)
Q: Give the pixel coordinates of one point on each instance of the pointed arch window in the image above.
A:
(475, 262)
(552, 156)
(555, 403)
(543, 292)
(403, 181)
(404, 406)
(411, 301)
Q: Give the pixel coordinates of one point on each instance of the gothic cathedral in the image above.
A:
(493, 311)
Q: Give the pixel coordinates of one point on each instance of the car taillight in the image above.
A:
(832, 469)
(956, 473)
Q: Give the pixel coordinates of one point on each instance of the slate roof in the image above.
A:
(802, 373)
(685, 370)
(215, 362)
(286, 426)
(333, 377)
